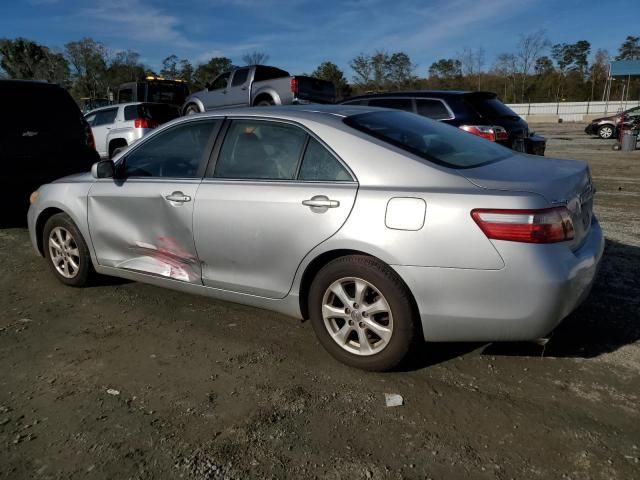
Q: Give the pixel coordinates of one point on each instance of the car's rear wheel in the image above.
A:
(606, 131)
(266, 102)
(362, 313)
(191, 109)
(66, 251)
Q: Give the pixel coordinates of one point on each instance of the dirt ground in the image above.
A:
(209, 390)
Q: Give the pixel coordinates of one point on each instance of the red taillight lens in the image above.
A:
(492, 133)
(144, 123)
(548, 225)
(294, 86)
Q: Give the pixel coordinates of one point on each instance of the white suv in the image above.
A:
(117, 126)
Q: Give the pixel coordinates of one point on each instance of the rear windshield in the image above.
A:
(175, 94)
(490, 106)
(431, 140)
(160, 112)
(39, 108)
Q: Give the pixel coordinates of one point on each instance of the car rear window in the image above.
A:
(430, 140)
(489, 106)
(40, 108)
(160, 112)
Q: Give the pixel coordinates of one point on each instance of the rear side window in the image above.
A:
(268, 73)
(432, 109)
(240, 77)
(260, 150)
(318, 164)
(131, 112)
(430, 140)
(489, 106)
(105, 117)
(396, 103)
(174, 153)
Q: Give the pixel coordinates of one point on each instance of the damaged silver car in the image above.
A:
(383, 227)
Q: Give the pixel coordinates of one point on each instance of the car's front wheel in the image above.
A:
(606, 131)
(362, 313)
(66, 251)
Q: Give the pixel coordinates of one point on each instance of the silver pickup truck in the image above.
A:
(259, 85)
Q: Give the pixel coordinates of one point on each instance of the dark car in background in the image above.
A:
(608, 127)
(479, 113)
(43, 136)
(154, 90)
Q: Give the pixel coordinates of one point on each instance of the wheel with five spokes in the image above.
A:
(362, 313)
(66, 251)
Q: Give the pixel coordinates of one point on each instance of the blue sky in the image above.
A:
(300, 34)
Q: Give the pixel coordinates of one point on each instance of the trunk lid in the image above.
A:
(560, 182)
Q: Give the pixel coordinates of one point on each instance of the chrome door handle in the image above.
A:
(178, 197)
(320, 201)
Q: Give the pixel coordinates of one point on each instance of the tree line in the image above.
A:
(535, 71)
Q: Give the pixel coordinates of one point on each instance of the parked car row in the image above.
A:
(609, 127)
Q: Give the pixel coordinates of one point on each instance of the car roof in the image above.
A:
(419, 93)
(115, 105)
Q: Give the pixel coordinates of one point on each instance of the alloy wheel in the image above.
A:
(357, 316)
(64, 252)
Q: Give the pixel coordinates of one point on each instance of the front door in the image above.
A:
(274, 194)
(142, 221)
(217, 92)
(238, 94)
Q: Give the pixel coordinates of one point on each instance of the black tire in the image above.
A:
(404, 332)
(606, 131)
(191, 109)
(84, 272)
(265, 102)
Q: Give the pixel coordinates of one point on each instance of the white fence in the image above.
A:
(569, 111)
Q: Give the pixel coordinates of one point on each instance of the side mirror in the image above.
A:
(103, 169)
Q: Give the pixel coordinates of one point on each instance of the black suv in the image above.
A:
(479, 113)
(43, 136)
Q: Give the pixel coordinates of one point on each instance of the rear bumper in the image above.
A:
(538, 287)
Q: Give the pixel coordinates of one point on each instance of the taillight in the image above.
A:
(493, 133)
(88, 136)
(294, 86)
(547, 225)
(144, 123)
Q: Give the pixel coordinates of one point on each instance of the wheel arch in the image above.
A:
(267, 95)
(192, 101)
(45, 215)
(323, 259)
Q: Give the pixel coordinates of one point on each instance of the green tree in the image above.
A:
(206, 72)
(170, 67)
(330, 71)
(24, 59)
(255, 58)
(88, 60)
(383, 71)
(630, 49)
(446, 68)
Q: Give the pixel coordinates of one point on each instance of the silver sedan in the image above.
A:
(382, 227)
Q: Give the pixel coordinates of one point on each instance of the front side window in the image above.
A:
(319, 165)
(220, 82)
(240, 77)
(174, 153)
(430, 140)
(105, 117)
(254, 149)
(396, 103)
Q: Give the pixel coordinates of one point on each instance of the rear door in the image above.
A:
(274, 193)
(142, 221)
(101, 126)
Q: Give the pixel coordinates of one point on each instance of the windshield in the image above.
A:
(431, 140)
(175, 94)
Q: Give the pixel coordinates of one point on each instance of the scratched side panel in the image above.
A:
(134, 227)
